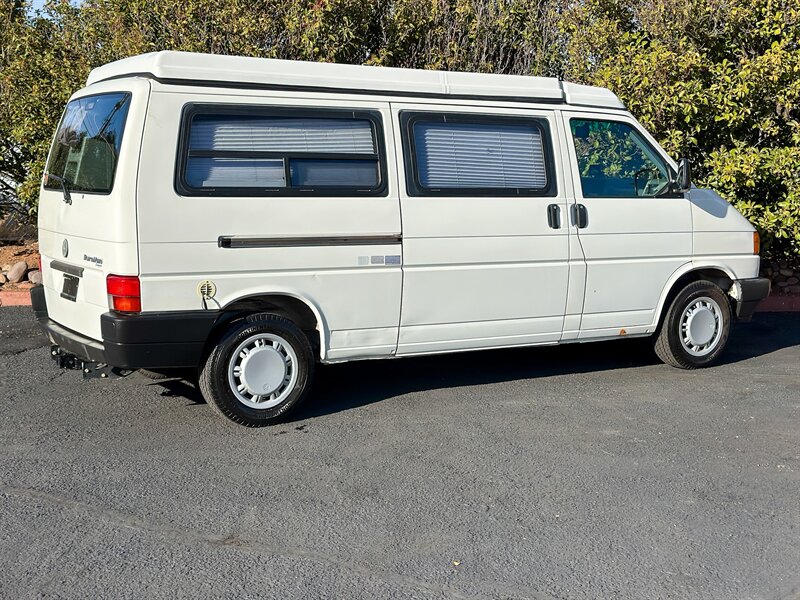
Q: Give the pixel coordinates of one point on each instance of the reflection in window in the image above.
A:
(615, 161)
(86, 147)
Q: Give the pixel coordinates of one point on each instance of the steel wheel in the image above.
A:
(262, 371)
(700, 326)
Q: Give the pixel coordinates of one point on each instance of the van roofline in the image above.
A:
(211, 70)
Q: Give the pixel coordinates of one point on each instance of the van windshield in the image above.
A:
(86, 146)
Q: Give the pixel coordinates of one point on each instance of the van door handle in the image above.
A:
(580, 216)
(554, 216)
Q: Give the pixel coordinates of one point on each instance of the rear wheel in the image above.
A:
(696, 327)
(259, 371)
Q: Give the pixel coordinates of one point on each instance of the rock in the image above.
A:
(782, 284)
(792, 280)
(35, 277)
(2, 279)
(793, 289)
(786, 272)
(5, 268)
(17, 272)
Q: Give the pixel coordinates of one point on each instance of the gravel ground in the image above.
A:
(574, 472)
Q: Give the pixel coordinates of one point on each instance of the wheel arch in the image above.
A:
(716, 274)
(295, 307)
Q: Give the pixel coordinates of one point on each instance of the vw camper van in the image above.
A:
(247, 218)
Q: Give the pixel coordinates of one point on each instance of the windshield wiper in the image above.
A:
(65, 185)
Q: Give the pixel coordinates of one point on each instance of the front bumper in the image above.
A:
(749, 292)
(145, 341)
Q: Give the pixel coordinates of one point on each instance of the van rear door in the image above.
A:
(87, 205)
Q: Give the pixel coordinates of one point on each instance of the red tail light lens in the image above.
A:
(124, 293)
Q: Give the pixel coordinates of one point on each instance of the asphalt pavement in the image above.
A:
(585, 471)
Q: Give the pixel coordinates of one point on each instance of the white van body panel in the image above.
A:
(99, 229)
(722, 236)
(178, 238)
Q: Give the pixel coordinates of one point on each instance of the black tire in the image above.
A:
(672, 346)
(216, 375)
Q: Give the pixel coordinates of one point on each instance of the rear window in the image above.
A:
(263, 151)
(86, 147)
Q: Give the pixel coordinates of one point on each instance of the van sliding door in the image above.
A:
(485, 236)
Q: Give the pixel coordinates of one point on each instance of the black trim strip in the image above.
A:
(66, 268)
(247, 85)
(227, 241)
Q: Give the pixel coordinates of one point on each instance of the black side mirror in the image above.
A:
(683, 182)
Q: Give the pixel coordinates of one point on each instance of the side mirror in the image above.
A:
(683, 182)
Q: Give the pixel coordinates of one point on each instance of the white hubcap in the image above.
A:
(701, 326)
(262, 371)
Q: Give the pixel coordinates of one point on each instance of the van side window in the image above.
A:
(262, 151)
(615, 161)
(475, 155)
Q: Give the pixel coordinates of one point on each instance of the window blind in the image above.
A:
(278, 134)
(479, 155)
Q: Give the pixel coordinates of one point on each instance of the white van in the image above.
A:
(248, 217)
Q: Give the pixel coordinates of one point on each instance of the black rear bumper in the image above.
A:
(145, 341)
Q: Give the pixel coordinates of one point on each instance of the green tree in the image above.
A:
(718, 80)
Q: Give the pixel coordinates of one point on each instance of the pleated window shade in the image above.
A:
(274, 134)
(243, 151)
(479, 155)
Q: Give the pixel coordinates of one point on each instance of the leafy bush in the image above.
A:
(717, 80)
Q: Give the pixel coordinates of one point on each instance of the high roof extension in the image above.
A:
(187, 68)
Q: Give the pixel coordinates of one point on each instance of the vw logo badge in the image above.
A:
(65, 248)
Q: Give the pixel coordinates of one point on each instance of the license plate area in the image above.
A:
(70, 287)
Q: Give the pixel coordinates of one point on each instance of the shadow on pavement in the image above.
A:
(350, 385)
(767, 333)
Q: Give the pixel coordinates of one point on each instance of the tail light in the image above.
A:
(124, 293)
(756, 243)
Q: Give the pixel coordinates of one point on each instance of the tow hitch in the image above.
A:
(89, 369)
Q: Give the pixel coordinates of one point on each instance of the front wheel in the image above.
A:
(696, 327)
(259, 371)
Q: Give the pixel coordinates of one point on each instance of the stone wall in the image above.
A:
(785, 276)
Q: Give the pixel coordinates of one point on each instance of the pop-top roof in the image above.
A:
(237, 71)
